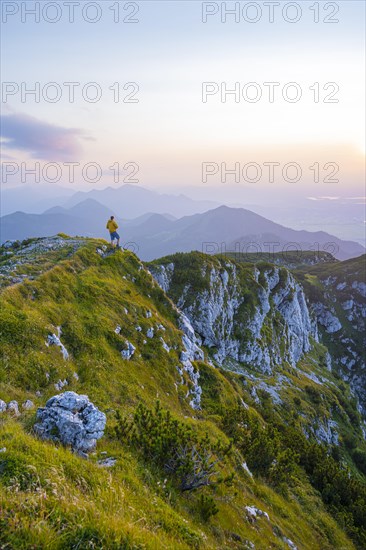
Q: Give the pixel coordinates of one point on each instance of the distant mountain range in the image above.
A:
(229, 229)
(343, 217)
(153, 235)
(127, 201)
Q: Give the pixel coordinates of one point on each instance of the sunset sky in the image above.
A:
(169, 53)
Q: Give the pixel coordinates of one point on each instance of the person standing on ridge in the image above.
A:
(112, 227)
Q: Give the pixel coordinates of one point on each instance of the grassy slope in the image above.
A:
(54, 499)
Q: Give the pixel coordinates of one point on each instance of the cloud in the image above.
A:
(323, 198)
(41, 140)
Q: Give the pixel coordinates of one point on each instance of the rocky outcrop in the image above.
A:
(192, 352)
(327, 318)
(54, 340)
(163, 276)
(72, 420)
(327, 432)
(340, 308)
(253, 513)
(262, 320)
(13, 408)
(129, 351)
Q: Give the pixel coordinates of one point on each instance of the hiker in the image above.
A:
(112, 227)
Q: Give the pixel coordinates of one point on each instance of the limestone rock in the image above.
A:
(254, 513)
(213, 316)
(128, 353)
(61, 384)
(72, 420)
(53, 340)
(13, 407)
(327, 319)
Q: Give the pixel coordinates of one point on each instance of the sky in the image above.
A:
(176, 127)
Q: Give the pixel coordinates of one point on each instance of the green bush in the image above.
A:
(207, 507)
(192, 461)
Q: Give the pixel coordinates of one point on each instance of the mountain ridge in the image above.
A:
(129, 343)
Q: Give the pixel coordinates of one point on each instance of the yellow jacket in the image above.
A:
(112, 226)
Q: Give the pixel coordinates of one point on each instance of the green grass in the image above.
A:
(53, 499)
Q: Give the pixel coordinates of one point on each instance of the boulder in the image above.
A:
(128, 353)
(61, 384)
(2, 406)
(13, 407)
(28, 405)
(72, 420)
(254, 513)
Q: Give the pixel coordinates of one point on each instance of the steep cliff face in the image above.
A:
(337, 295)
(259, 320)
(256, 315)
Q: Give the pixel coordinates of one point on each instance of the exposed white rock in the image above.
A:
(61, 384)
(192, 352)
(13, 407)
(254, 513)
(313, 377)
(138, 328)
(165, 346)
(2, 406)
(328, 361)
(326, 318)
(272, 391)
(148, 314)
(361, 287)
(163, 275)
(53, 340)
(329, 281)
(289, 543)
(128, 353)
(72, 420)
(245, 467)
(107, 462)
(186, 326)
(196, 390)
(150, 333)
(348, 304)
(214, 315)
(326, 432)
(118, 329)
(28, 405)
